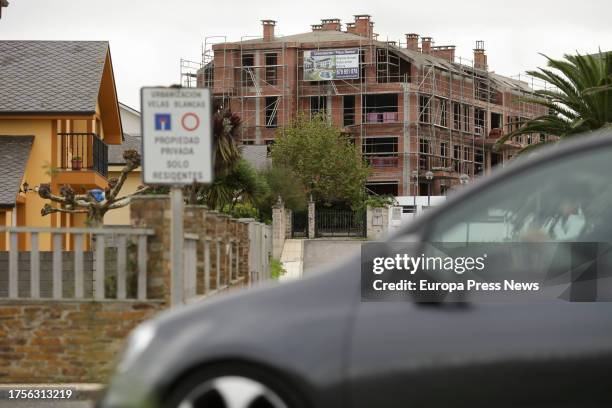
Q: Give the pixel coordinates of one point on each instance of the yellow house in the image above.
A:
(58, 115)
(130, 120)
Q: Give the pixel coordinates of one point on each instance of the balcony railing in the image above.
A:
(381, 117)
(83, 151)
(378, 161)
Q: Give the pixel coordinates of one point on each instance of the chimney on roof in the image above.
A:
(412, 41)
(363, 26)
(268, 29)
(444, 51)
(480, 58)
(330, 24)
(426, 43)
(316, 27)
(350, 28)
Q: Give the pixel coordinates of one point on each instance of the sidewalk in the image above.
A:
(292, 259)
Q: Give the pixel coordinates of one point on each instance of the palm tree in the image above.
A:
(226, 127)
(581, 99)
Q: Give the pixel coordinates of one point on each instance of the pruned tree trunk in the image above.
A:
(94, 203)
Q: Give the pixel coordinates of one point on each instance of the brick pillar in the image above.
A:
(311, 218)
(195, 223)
(154, 212)
(211, 231)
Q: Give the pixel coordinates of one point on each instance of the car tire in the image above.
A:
(198, 387)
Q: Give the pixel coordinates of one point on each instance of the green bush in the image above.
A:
(276, 268)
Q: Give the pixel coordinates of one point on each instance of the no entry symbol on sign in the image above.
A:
(190, 121)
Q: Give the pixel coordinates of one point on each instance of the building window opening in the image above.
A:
(424, 153)
(424, 108)
(456, 116)
(383, 188)
(271, 68)
(247, 73)
(380, 151)
(390, 67)
(456, 158)
(348, 110)
(496, 120)
(380, 108)
(479, 122)
(318, 105)
(441, 113)
(271, 111)
(466, 118)
(478, 161)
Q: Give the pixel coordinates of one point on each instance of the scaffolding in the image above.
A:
(410, 113)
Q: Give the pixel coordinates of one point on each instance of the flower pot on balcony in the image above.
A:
(77, 163)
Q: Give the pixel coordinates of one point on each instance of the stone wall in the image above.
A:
(65, 341)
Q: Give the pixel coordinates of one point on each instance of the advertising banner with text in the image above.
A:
(325, 65)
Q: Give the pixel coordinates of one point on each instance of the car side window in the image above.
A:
(567, 199)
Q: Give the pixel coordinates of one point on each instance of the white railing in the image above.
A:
(83, 267)
(98, 245)
(260, 250)
(211, 248)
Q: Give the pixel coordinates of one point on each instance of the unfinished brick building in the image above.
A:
(415, 109)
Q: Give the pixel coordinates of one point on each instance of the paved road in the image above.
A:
(324, 253)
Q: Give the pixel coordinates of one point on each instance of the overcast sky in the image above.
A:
(149, 37)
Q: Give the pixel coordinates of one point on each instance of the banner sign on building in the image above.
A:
(176, 135)
(325, 65)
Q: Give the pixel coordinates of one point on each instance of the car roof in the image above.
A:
(593, 140)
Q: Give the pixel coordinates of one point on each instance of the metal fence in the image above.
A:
(299, 224)
(83, 151)
(340, 223)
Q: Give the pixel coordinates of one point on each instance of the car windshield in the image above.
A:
(568, 199)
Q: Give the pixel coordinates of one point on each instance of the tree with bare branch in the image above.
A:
(92, 204)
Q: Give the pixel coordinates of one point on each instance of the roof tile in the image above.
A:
(51, 76)
(14, 154)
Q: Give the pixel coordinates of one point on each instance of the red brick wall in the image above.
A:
(65, 341)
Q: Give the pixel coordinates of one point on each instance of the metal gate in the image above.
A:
(299, 224)
(340, 223)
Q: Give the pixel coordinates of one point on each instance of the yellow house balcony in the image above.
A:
(83, 161)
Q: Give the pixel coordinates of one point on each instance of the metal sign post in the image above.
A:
(176, 245)
(177, 151)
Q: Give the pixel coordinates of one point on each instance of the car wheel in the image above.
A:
(232, 386)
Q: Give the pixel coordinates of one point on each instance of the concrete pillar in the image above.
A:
(406, 170)
(288, 223)
(377, 220)
(311, 218)
(258, 99)
(278, 228)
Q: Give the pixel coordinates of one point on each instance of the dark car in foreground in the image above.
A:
(314, 343)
